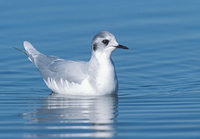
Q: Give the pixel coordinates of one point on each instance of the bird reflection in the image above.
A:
(76, 116)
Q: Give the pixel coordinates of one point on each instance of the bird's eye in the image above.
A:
(105, 41)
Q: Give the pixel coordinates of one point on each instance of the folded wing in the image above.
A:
(56, 68)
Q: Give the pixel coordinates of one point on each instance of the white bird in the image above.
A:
(95, 77)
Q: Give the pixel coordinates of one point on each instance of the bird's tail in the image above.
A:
(30, 51)
(20, 50)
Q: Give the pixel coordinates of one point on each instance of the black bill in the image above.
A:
(122, 47)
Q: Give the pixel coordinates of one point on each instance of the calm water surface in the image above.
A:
(159, 77)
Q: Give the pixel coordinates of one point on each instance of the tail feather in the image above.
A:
(30, 51)
(20, 50)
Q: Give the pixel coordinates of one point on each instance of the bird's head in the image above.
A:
(105, 43)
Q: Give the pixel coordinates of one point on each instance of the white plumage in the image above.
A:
(95, 77)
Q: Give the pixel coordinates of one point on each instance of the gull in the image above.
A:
(94, 77)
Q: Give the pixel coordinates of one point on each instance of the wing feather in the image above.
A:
(56, 68)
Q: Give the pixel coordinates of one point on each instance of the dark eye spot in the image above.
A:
(105, 41)
(94, 47)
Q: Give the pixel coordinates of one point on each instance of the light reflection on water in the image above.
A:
(89, 116)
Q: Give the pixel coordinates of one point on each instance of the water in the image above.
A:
(159, 84)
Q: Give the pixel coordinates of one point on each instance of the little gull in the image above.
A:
(95, 77)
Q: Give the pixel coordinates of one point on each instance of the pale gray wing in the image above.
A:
(56, 68)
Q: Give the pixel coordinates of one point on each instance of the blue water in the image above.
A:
(159, 77)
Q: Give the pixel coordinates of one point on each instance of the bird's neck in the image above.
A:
(101, 58)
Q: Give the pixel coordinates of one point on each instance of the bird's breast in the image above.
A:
(106, 81)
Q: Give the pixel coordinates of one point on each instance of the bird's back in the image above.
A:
(56, 68)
